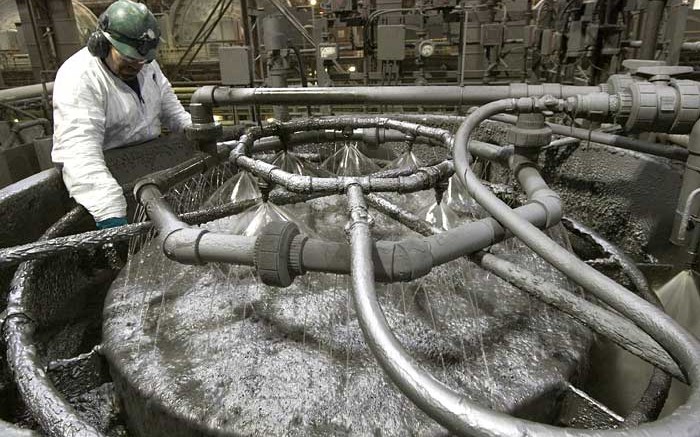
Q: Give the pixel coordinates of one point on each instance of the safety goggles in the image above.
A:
(130, 60)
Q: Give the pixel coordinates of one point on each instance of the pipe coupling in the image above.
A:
(403, 261)
(272, 254)
(182, 245)
(204, 132)
(551, 204)
(529, 131)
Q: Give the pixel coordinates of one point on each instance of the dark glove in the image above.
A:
(111, 222)
(115, 254)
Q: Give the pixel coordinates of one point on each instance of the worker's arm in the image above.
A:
(172, 114)
(79, 127)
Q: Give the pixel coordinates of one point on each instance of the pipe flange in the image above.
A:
(530, 131)
(624, 107)
(645, 107)
(688, 106)
(296, 252)
(272, 248)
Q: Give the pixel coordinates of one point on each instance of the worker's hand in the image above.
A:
(111, 222)
(115, 254)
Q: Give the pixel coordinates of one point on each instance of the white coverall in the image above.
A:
(94, 111)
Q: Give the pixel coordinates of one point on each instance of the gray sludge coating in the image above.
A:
(209, 350)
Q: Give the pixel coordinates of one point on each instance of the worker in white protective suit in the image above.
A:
(111, 94)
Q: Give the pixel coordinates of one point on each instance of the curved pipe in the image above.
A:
(611, 325)
(385, 95)
(682, 346)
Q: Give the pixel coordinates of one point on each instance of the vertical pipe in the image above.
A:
(678, 18)
(248, 41)
(277, 51)
(650, 31)
(42, 60)
(691, 181)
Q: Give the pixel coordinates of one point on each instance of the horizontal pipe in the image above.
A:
(608, 324)
(24, 92)
(412, 258)
(232, 249)
(664, 150)
(385, 95)
(619, 141)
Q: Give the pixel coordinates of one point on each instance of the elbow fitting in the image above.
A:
(594, 106)
(204, 95)
(551, 204)
(403, 260)
(204, 131)
(182, 245)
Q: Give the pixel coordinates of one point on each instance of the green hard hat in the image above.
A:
(132, 29)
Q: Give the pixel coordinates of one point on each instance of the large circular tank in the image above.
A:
(209, 350)
(186, 18)
(86, 20)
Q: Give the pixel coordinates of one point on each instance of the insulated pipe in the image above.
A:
(691, 182)
(385, 95)
(24, 92)
(681, 345)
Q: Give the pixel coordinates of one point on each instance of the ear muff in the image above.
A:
(98, 44)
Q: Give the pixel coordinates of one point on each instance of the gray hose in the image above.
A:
(609, 324)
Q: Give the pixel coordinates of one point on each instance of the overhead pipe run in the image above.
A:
(384, 95)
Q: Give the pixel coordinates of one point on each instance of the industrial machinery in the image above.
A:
(387, 218)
